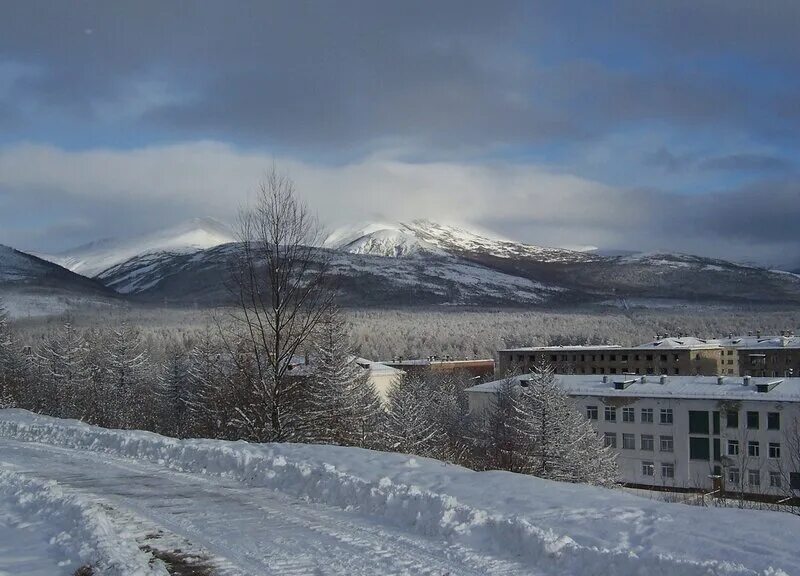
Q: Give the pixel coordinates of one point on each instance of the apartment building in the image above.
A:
(478, 368)
(727, 434)
(751, 355)
(672, 356)
(768, 356)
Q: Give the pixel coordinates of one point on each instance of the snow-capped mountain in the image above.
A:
(92, 259)
(406, 238)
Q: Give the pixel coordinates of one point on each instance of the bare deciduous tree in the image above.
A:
(282, 288)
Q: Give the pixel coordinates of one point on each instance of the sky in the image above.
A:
(659, 126)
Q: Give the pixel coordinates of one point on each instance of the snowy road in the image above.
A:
(242, 530)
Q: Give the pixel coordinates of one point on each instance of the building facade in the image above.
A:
(721, 435)
(752, 355)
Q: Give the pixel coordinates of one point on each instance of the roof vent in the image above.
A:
(762, 388)
(623, 384)
(643, 379)
(720, 380)
(605, 379)
(746, 381)
(663, 379)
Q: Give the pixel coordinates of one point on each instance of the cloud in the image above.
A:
(357, 75)
(116, 192)
(747, 163)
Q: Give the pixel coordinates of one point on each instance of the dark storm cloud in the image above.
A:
(438, 74)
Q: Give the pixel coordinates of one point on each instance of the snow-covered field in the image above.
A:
(300, 509)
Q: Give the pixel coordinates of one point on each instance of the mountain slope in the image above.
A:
(30, 286)
(401, 239)
(363, 279)
(91, 259)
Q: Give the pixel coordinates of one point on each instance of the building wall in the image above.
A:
(780, 362)
(691, 473)
(684, 362)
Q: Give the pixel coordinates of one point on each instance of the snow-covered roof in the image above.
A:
(300, 366)
(684, 343)
(576, 348)
(695, 387)
(679, 343)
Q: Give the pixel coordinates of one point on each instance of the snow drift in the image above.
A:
(79, 527)
(556, 528)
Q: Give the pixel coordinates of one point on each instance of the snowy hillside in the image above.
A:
(92, 259)
(402, 239)
(30, 286)
(363, 279)
(250, 509)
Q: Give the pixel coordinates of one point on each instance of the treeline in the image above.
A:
(206, 384)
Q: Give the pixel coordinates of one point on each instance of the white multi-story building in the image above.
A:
(734, 434)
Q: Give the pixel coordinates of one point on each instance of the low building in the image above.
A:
(674, 356)
(478, 368)
(716, 434)
(380, 376)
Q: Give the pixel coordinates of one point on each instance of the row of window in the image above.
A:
(594, 357)
(754, 478)
(698, 419)
(667, 469)
(646, 442)
(754, 448)
(629, 414)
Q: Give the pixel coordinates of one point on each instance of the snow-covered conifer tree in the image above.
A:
(557, 442)
(175, 393)
(61, 360)
(127, 378)
(340, 405)
(410, 427)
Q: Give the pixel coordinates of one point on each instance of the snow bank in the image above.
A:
(79, 527)
(558, 528)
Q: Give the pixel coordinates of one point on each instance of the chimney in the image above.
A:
(663, 379)
(605, 379)
(644, 379)
(720, 380)
(746, 381)
(758, 333)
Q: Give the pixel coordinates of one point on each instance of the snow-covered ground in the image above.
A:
(298, 509)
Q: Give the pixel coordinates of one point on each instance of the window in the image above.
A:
(667, 470)
(733, 476)
(648, 469)
(773, 420)
(732, 419)
(647, 415)
(553, 357)
(610, 439)
(667, 444)
(612, 357)
(648, 357)
(675, 357)
(715, 422)
(717, 449)
(663, 357)
(733, 447)
(774, 449)
(628, 442)
(647, 442)
(628, 415)
(602, 357)
(754, 477)
(612, 370)
(610, 414)
(698, 422)
(753, 448)
(752, 420)
(624, 357)
(794, 480)
(698, 449)
(666, 415)
(774, 479)
(591, 412)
